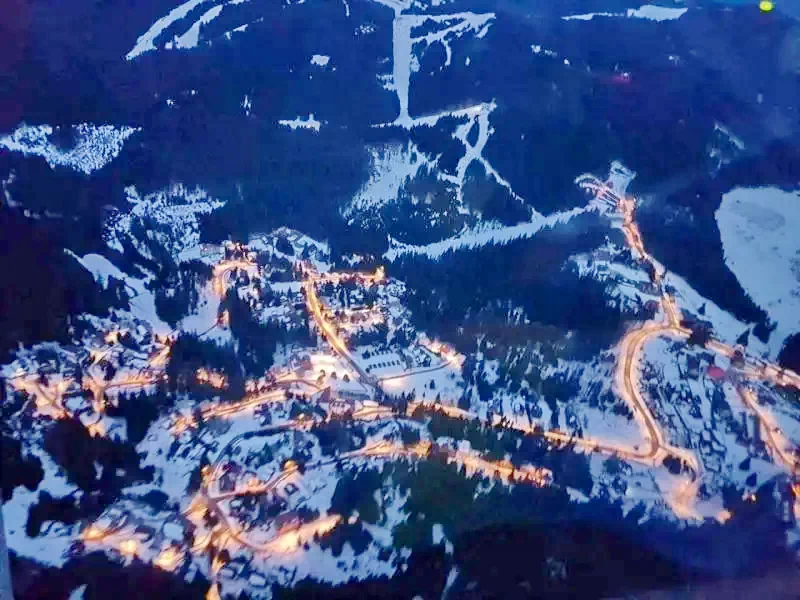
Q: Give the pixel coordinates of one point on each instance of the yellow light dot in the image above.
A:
(766, 5)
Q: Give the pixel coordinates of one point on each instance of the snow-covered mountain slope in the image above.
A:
(759, 230)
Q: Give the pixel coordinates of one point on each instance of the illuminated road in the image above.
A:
(50, 399)
(632, 344)
(212, 496)
(275, 393)
(626, 380)
(631, 349)
(774, 438)
(329, 332)
(99, 388)
(224, 267)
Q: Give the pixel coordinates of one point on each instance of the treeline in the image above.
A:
(531, 274)
(189, 353)
(100, 574)
(93, 463)
(43, 286)
(17, 468)
(681, 229)
(258, 340)
(424, 211)
(178, 287)
(569, 468)
(525, 541)
(789, 357)
(98, 466)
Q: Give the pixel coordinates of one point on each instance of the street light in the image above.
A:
(128, 547)
(93, 533)
(168, 558)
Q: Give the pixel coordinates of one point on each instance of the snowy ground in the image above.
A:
(785, 412)
(55, 539)
(704, 415)
(482, 235)
(174, 210)
(759, 230)
(145, 43)
(141, 299)
(300, 123)
(426, 384)
(697, 413)
(391, 167)
(94, 146)
(191, 37)
(651, 12)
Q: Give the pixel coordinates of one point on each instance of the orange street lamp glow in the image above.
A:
(96, 429)
(168, 558)
(128, 547)
(93, 533)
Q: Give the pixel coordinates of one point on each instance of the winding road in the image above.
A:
(627, 384)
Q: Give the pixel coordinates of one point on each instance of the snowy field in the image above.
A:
(391, 167)
(142, 300)
(759, 230)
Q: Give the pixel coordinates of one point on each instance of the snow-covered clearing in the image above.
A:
(537, 49)
(174, 210)
(391, 167)
(51, 545)
(482, 235)
(240, 29)
(94, 146)
(141, 299)
(319, 253)
(651, 12)
(203, 319)
(403, 42)
(299, 122)
(145, 41)
(77, 593)
(191, 37)
(759, 231)
(784, 413)
(446, 380)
